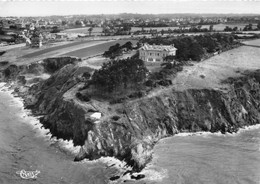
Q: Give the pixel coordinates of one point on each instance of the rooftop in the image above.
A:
(158, 47)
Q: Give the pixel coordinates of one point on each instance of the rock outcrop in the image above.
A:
(129, 130)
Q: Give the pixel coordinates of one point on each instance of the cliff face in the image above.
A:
(49, 65)
(129, 130)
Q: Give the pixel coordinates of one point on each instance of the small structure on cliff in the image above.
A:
(156, 53)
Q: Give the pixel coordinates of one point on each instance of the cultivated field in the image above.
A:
(83, 48)
(96, 49)
(210, 73)
(51, 49)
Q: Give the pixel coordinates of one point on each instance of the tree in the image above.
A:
(199, 27)
(227, 28)
(126, 27)
(211, 28)
(196, 51)
(78, 23)
(250, 27)
(162, 32)
(1, 31)
(169, 62)
(118, 75)
(90, 30)
(63, 22)
(258, 26)
(113, 51)
(106, 30)
(55, 29)
(128, 45)
(235, 29)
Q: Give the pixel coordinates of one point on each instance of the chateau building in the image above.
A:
(156, 53)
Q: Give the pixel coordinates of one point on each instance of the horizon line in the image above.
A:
(258, 14)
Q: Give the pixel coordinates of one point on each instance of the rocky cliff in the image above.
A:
(129, 130)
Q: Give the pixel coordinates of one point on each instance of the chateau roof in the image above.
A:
(158, 47)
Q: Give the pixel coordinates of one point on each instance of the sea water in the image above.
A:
(206, 158)
(25, 145)
(201, 158)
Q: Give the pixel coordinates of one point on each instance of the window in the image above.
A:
(150, 54)
(158, 54)
(150, 59)
(158, 60)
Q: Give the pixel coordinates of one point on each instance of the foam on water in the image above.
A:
(42, 132)
(154, 173)
(2, 84)
(252, 127)
(206, 134)
(114, 161)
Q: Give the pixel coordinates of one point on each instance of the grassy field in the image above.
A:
(84, 30)
(210, 73)
(97, 49)
(98, 30)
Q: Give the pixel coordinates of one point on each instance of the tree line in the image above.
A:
(117, 50)
(195, 47)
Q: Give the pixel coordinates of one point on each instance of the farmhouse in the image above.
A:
(156, 53)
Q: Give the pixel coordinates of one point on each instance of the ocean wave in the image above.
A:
(153, 173)
(251, 127)
(112, 161)
(122, 169)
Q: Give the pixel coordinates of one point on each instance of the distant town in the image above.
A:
(36, 31)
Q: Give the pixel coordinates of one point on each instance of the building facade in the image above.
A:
(156, 53)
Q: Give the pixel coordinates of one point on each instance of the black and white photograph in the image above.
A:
(130, 92)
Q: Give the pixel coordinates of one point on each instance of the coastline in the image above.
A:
(121, 166)
(65, 145)
(34, 123)
(128, 131)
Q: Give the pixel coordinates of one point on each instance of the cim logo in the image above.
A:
(28, 174)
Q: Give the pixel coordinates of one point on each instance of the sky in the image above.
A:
(76, 7)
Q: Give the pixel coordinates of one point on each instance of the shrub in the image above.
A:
(82, 97)
(120, 74)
